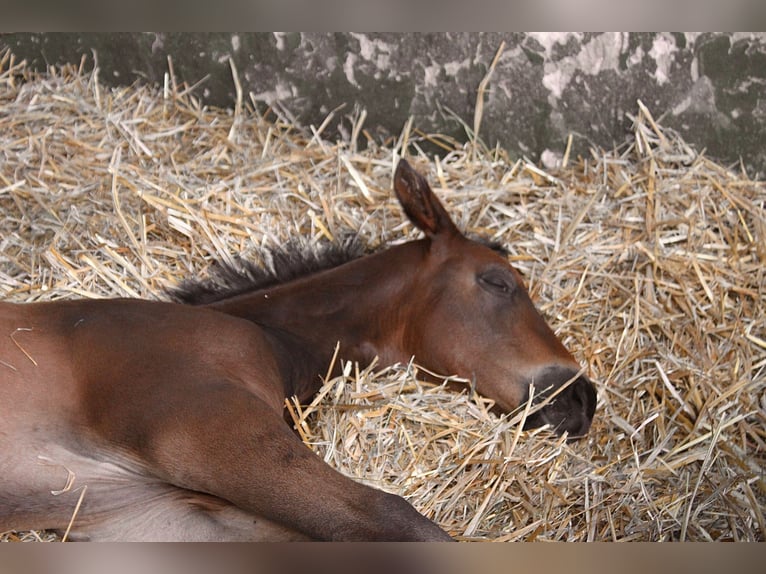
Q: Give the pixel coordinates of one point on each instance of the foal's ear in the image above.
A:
(420, 203)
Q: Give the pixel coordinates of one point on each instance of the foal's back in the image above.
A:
(67, 353)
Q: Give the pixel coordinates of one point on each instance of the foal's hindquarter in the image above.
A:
(167, 420)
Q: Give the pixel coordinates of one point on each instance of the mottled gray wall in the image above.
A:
(709, 86)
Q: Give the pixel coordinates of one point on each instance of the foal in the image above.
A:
(165, 420)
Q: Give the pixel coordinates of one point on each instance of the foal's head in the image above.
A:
(474, 319)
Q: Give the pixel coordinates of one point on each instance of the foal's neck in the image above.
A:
(360, 305)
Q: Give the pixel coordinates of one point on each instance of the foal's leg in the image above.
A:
(225, 441)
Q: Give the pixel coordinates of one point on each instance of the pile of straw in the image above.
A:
(648, 260)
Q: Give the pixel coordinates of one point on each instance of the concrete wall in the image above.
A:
(709, 86)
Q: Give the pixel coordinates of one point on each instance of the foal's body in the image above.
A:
(135, 396)
(166, 420)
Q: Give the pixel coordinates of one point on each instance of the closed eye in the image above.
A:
(497, 281)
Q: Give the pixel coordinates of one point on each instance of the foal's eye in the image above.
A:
(497, 281)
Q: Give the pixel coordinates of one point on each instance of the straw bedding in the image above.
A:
(648, 261)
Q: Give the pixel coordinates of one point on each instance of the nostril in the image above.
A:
(585, 394)
(584, 397)
(571, 408)
(578, 398)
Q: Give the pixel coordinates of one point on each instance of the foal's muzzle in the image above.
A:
(572, 407)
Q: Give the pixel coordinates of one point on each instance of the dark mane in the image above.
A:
(495, 246)
(283, 264)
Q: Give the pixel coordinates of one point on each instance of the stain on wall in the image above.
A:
(711, 87)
